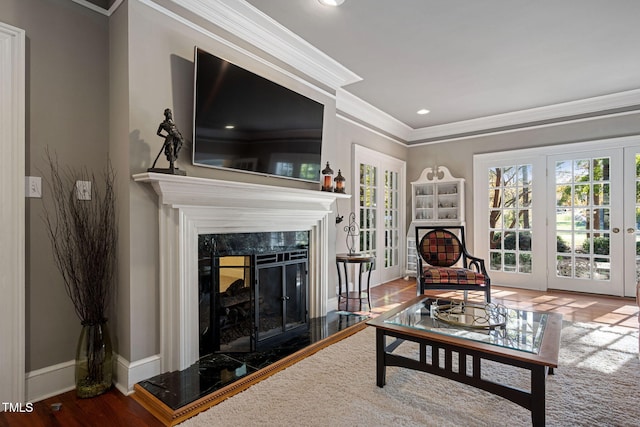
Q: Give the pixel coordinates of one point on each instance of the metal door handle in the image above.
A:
(631, 230)
(616, 230)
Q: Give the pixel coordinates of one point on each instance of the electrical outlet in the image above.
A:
(33, 186)
(83, 190)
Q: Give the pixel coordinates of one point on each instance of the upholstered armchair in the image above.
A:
(445, 264)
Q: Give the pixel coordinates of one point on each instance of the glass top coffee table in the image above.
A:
(525, 339)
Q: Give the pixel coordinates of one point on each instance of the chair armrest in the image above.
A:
(472, 262)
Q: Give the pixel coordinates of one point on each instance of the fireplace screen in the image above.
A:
(282, 296)
(252, 299)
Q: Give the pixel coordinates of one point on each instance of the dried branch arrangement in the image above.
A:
(83, 236)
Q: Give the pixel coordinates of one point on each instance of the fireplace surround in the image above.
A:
(191, 206)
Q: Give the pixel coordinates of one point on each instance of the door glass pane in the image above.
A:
(368, 208)
(510, 218)
(391, 222)
(583, 218)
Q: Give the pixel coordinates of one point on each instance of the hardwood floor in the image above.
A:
(575, 307)
(115, 409)
(110, 409)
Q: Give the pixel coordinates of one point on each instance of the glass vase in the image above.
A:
(94, 360)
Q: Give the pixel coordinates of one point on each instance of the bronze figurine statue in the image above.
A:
(173, 141)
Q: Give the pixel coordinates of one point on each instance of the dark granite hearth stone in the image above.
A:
(215, 371)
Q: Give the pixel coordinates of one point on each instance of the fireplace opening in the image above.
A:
(253, 290)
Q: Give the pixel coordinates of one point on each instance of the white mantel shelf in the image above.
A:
(189, 207)
(176, 190)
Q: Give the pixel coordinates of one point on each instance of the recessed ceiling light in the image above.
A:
(423, 111)
(229, 127)
(331, 2)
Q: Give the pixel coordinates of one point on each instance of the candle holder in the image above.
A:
(327, 180)
(339, 179)
(353, 233)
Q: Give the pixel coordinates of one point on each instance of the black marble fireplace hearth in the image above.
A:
(218, 370)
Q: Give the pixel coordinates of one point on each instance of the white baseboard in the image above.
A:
(130, 373)
(56, 379)
(50, 381)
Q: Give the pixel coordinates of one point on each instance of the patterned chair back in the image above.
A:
(440, 248)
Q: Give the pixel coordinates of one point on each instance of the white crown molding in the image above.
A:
(92, 6)
(517, 120)
(245, 21)
(362, 110)
(555, 112)
(98, 9)
(153, 5)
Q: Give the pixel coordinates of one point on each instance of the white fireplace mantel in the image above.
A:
(190, 206)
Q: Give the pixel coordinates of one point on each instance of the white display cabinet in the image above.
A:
(437, 198)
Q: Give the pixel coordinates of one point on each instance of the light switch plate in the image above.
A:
(33, 186)
(83, 190)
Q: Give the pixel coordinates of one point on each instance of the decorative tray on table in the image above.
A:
(477, 316)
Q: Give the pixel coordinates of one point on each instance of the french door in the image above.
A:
(509, 233)
(595, 221)
(381, 193)
(574, 227)
(631, 219)
(586, 222)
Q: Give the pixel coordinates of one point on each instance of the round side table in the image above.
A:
(364, 266)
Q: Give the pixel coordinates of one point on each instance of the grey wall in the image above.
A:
(67, 97)
(458, 155)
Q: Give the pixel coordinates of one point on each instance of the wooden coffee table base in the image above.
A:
(534, 400)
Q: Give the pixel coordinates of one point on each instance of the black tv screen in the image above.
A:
(246, 122)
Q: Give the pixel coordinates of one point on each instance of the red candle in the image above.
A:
(327, 181)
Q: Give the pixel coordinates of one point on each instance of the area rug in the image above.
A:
(597, 383)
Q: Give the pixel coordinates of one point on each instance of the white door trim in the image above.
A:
(362, 154)
(12, 214)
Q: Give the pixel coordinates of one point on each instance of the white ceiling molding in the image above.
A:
(152, 4)
(362, 110)
(521, 118)
(99, 9)
(371, 129)
(92, 6)
(245, 21)
(452, 138)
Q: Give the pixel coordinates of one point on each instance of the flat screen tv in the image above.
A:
(246, 122)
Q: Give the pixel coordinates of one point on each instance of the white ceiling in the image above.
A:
(468, 59)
